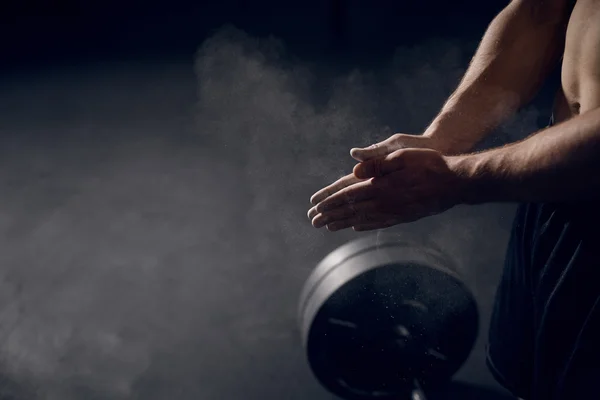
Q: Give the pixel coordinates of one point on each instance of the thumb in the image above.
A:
(377, 167)
(375, 150)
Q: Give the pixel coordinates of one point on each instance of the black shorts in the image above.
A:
(544, 340)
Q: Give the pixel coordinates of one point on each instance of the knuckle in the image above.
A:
(400, 156)
(400, 141)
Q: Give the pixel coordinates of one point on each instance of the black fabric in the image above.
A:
(544, 341)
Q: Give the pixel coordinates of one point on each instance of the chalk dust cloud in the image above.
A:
(154, 237)
(255, 105)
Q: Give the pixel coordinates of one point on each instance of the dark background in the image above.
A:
(36, 32)
(156, 160)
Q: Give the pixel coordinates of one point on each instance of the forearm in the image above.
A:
(558, 164)
(516, 54)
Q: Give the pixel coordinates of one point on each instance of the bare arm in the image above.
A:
(561, 163)
(517, 53)
(557, 165)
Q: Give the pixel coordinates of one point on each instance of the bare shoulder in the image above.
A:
(546, 11)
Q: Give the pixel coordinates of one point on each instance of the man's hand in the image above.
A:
(404, 186)
(395, 142)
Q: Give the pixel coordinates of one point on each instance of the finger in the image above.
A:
(375, 150)
(333, 188)
(312, 213)
(378, 167)
(379, 149)
(352, 194)
(360, 211)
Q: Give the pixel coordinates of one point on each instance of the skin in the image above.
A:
(409, 177)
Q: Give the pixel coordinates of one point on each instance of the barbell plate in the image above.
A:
(371, 288)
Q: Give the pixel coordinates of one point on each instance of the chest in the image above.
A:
(581, 60)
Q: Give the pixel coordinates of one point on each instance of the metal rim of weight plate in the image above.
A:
(363, 268)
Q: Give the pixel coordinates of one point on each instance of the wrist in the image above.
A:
(487, 177)
(445, 142)
(471, 179)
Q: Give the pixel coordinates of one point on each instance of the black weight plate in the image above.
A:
(378, 313)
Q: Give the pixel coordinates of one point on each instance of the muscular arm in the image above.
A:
(516, 54)
(561, 163)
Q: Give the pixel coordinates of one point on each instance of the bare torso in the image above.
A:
(580, 77)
